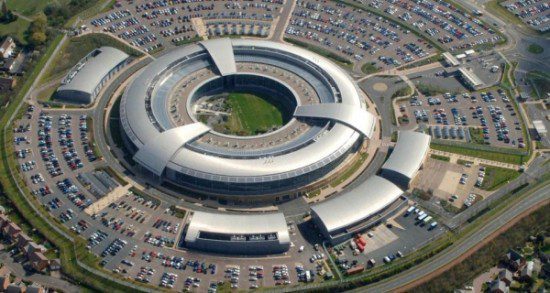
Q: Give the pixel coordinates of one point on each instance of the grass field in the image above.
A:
(495, 177)
(252, 114)
(76, 48)
(477, 135)
(32, 7)
(16, 29)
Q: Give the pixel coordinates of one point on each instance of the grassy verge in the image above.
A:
(430, 60)
(369, 68)
(540, 82)
(494, 155)
(440, 158)
(188, 41)
(321, 51)
(77, 48)
(496, 177)
(354, 167)
(145, 196)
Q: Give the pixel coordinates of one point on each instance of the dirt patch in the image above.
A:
(380, 87)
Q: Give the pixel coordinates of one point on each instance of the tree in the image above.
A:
(37, 38)
(7, 16)
(36, 34)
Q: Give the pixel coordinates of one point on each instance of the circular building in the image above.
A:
(237, 117)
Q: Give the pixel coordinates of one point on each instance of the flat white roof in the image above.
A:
(235, 224)
(540, 127)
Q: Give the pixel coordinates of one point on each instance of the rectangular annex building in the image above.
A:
(244, 234)
(86, 79)
(354, 211)
(407, 158)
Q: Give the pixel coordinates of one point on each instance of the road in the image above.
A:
(541, 196)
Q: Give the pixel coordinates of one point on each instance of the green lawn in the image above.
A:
(496, 177)
(76, 48)
(32, 7)
(16, 29)
(252, 114)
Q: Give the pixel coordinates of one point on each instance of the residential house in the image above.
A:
(38, 261)
(527, 271)
(22, 241)
(18, 287)
(7, 83)
(10, 231)
(32, 247)
(55, 264)
(515, 260)
(506, 276)
(3, 220)
(499, 286)
(35, 288)
(4, 282)
(7, 47)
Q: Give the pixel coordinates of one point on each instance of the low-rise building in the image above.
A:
(7, 47)
(450, 59)
(7, 83)
(470, 79)
(86, 79)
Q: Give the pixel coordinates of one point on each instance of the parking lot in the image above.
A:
(533, 13)
(355, 34)
(154, 25)
(401, 235)
(484, 117)
(451, 182)
(443, 22)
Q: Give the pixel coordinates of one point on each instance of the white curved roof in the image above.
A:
(358, 204)
(94, 70)
(221, 51)
(354, 117)
(287, 164)
(142, 127)
(158, 151)
(230, 224)
(408, 154)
